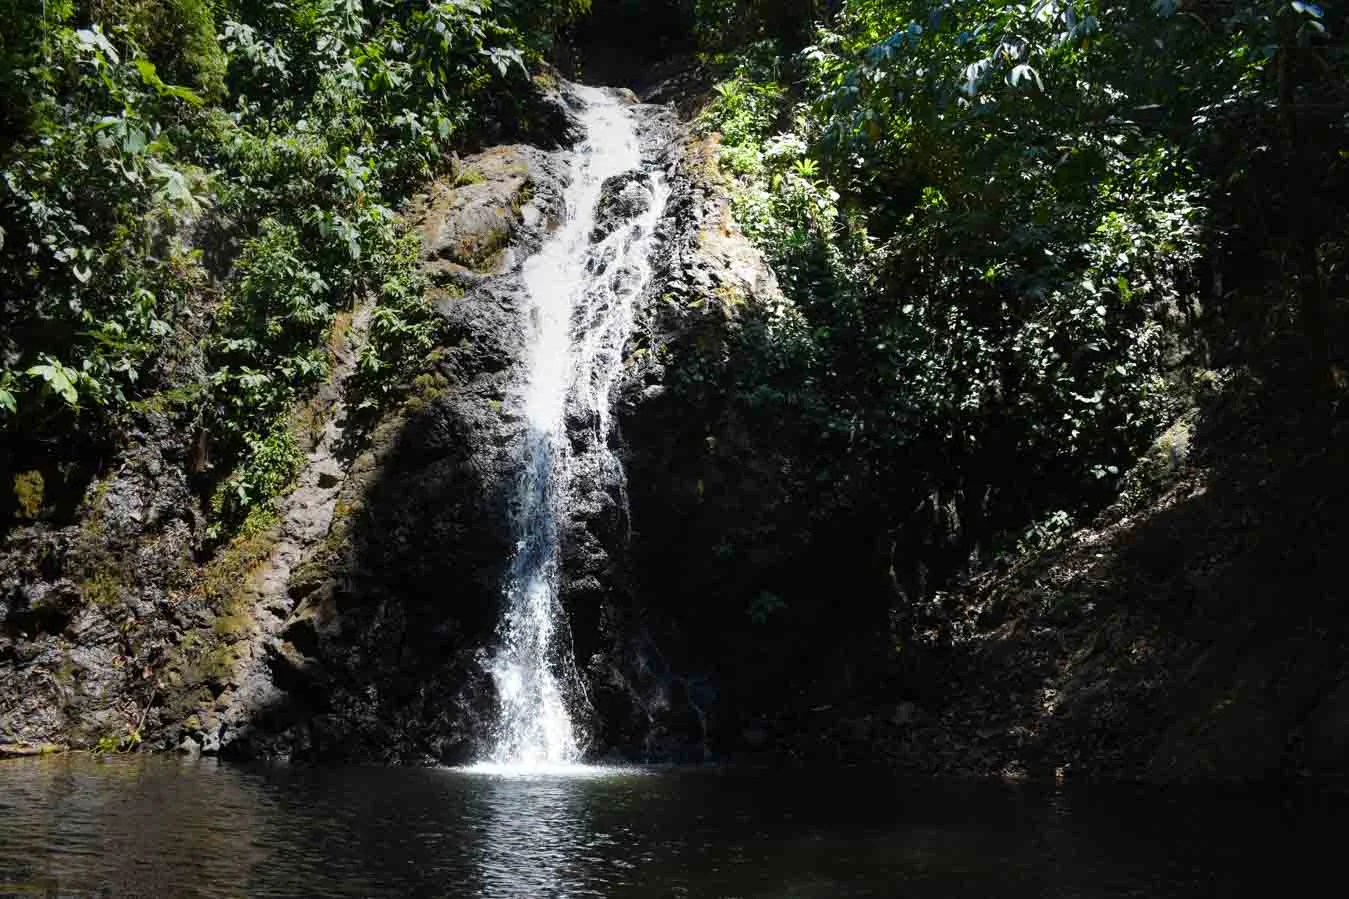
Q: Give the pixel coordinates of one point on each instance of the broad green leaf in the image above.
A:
(187, 96)
(148, 73)
(174, 187)
(151, 78)
(60, 379)
(135, 141)
(95, 39)
(1023, 72)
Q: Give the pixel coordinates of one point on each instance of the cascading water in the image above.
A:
(581, 287)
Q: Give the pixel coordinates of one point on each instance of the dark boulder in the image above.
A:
(622, 198)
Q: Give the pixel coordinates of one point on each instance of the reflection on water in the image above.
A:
(118, 823)
(532, 835)
(162, 828)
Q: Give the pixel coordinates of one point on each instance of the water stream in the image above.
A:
(581, 287)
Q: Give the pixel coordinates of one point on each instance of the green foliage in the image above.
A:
(175, 36)
(1045, 534)
(1037, 248)
(728, 25)
(990, 221)
(224, 578)
(127, 740)
(764, 606)
(402, 332)
(269, 463)
(84, 204)
(57, 379)
(135, 128)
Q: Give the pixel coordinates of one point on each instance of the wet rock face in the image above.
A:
(466, 222)
(622, 198)
(695, 614)
(352, 625)
(379, 658)
(633, 557)
(544, 118)
(87, 609)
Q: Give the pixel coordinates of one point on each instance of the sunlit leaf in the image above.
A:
(1022, 72)
(95, 39)
(60, 379)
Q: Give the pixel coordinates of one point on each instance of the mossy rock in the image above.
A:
(226, 574)
(104, 587)
(1160, 468)
(215, 668)
(465, 176)
(469, 219)
(29, 490)
(233, 625)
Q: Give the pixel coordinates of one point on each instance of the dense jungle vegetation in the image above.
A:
(1017, 238)
(194, 195)
(1013, 238)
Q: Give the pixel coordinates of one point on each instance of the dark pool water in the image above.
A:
(156, 827)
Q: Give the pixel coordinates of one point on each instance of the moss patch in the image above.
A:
(426, 389)
(482, 251)
(206, 657)
(103, 579)
(217, 666)
(224, 577)
(1159, 469)
(235, 623)
(29, 488)
(464, 176)
(171, 401)
(104, 586)
(338, 333)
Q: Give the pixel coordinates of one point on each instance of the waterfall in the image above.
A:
(581, 288)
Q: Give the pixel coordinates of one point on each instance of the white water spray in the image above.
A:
(580, 313)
